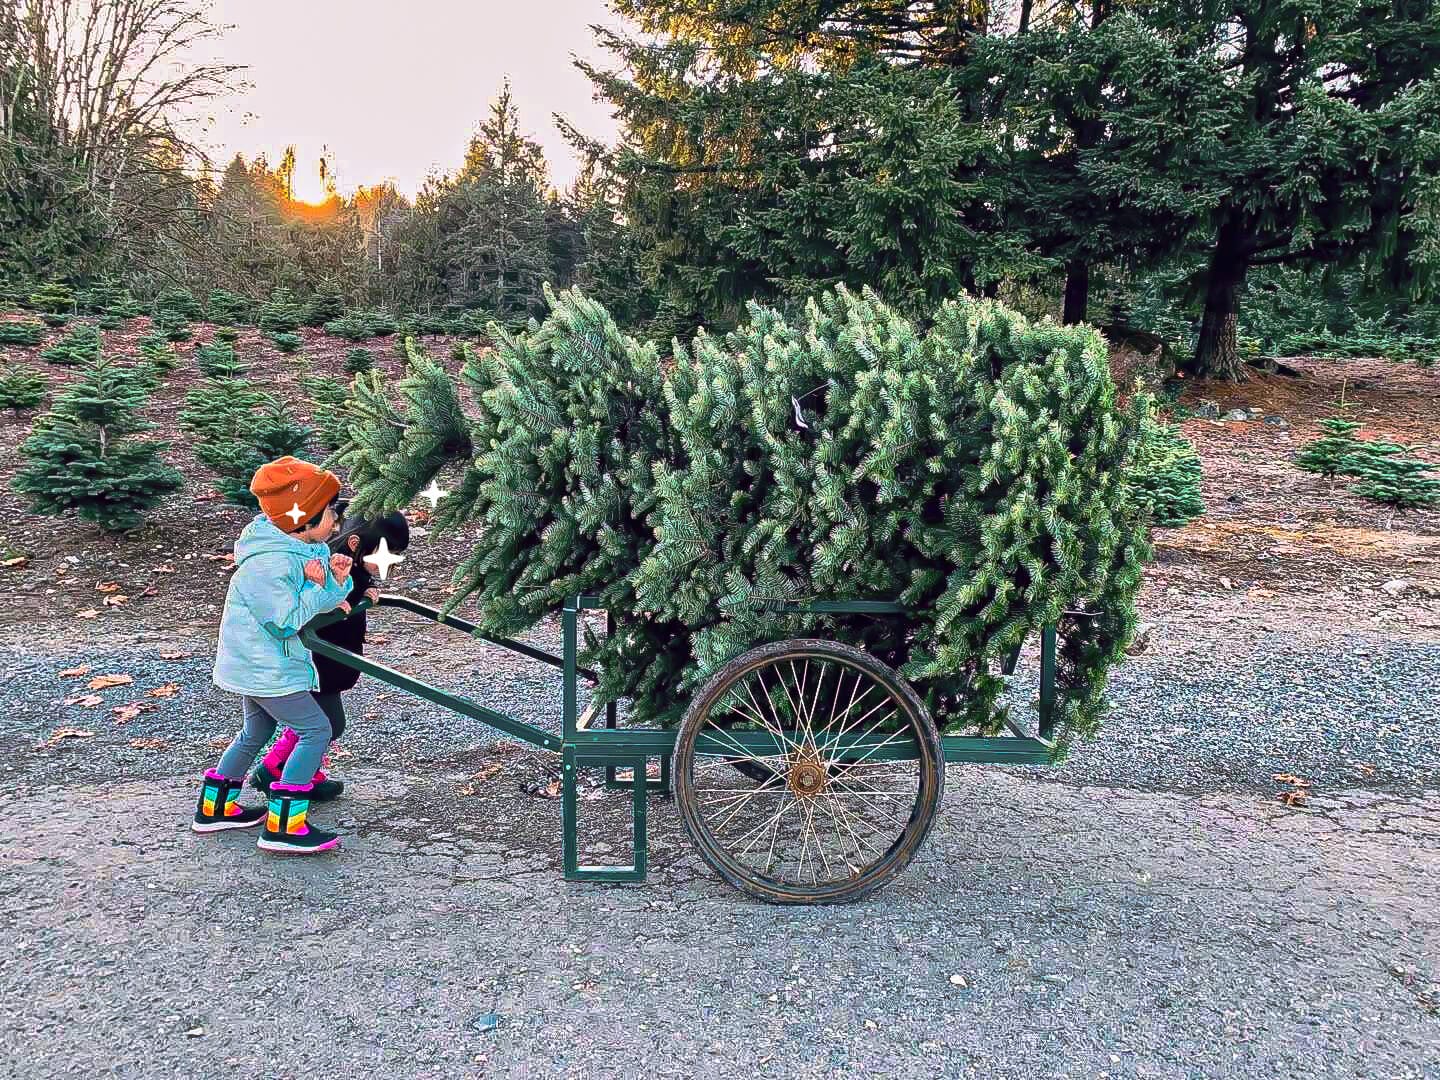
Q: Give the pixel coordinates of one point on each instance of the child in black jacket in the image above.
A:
(357, 539)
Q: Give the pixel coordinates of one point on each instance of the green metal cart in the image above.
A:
(806, 771)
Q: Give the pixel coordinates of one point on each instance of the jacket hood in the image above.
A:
(262, 536)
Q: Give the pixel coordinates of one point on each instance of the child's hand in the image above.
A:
(340, 567)
(373, 595)
(344, 606)
(315, 572)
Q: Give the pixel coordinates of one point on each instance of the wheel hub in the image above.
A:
(807, 778)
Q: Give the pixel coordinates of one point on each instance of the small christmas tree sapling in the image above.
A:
(358, 360)
(21, 388)
(55, 301)
(286, 342)
(1395, 477)
(1328, 454)
(80, 346)
(79, 456)
(13, 332)
(218, 361)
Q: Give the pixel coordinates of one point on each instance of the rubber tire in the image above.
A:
(877, 874)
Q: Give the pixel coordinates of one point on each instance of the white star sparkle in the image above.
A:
(434, 493)
(295, 514)
(383, 559)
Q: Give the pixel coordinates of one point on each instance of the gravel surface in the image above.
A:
(1189, 714)
(1045, 931)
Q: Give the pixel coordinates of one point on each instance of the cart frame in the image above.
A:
(582, 745)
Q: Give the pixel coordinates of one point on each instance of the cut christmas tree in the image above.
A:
(21, 388)
(978, 472)
(81, 455)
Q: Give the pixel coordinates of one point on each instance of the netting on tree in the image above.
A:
(977, 471)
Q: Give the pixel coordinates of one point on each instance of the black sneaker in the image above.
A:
(286, 829)
(321, 790)
(218, 808)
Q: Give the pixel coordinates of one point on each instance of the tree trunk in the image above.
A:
(1217, 354)
(1077, 291)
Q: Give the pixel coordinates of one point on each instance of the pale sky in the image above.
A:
(396, 89)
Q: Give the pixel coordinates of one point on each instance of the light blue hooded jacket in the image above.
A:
(268, 604)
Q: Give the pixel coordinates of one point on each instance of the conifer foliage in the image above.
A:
(977, 471)
(1166, 475)
(21, 388)
(1329, 454)
(79, 346)
(81, 456)
(17, 332)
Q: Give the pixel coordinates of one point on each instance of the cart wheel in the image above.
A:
(808, 772)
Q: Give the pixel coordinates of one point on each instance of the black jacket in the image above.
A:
(348, 634)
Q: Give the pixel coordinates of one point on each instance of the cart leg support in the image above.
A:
(573, 759)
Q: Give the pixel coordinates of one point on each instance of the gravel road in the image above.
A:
(1148, 909)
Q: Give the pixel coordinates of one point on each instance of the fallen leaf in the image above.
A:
(1290, 778)
(151, 743)
(65, 733)
(125, 713)
(168, 690)
(165, 569)
(150, 591)
(1294, 798)
(107, 586)
(75, 672)
(88, 613)
(16, 563)
(376, 639)
(87, 700)
(116, 600)
(175, 656)
(486, 773)
(100, 682)
(550, 790)
(1227, 583)
(224, 556)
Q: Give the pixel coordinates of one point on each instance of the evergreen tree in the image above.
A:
(21, 388)
(225, 308)
(1311, 146)
(170, 326)
(218, 360)
(1391, 474)
(221, 410)
(16, 332)
(358, 360)
(286, 343)
(55, 301)
(327, 398)
(158, 353)
(1330, 454)
(1166, 475)
(176, 306)
(79, 457)
(282, 314)
(79, 346)
(325, 304)
(270, 435)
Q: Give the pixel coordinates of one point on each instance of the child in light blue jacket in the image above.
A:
(284, 576)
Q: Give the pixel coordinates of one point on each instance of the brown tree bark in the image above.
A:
(1077, 291)
(1217, 353)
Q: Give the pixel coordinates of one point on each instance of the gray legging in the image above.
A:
(297, 711)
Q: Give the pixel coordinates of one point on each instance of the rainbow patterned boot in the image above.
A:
(286, 828)
(218, 808)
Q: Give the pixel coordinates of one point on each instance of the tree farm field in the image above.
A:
(1273, 740)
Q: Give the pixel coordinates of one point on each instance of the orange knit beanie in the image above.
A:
(291, 491)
